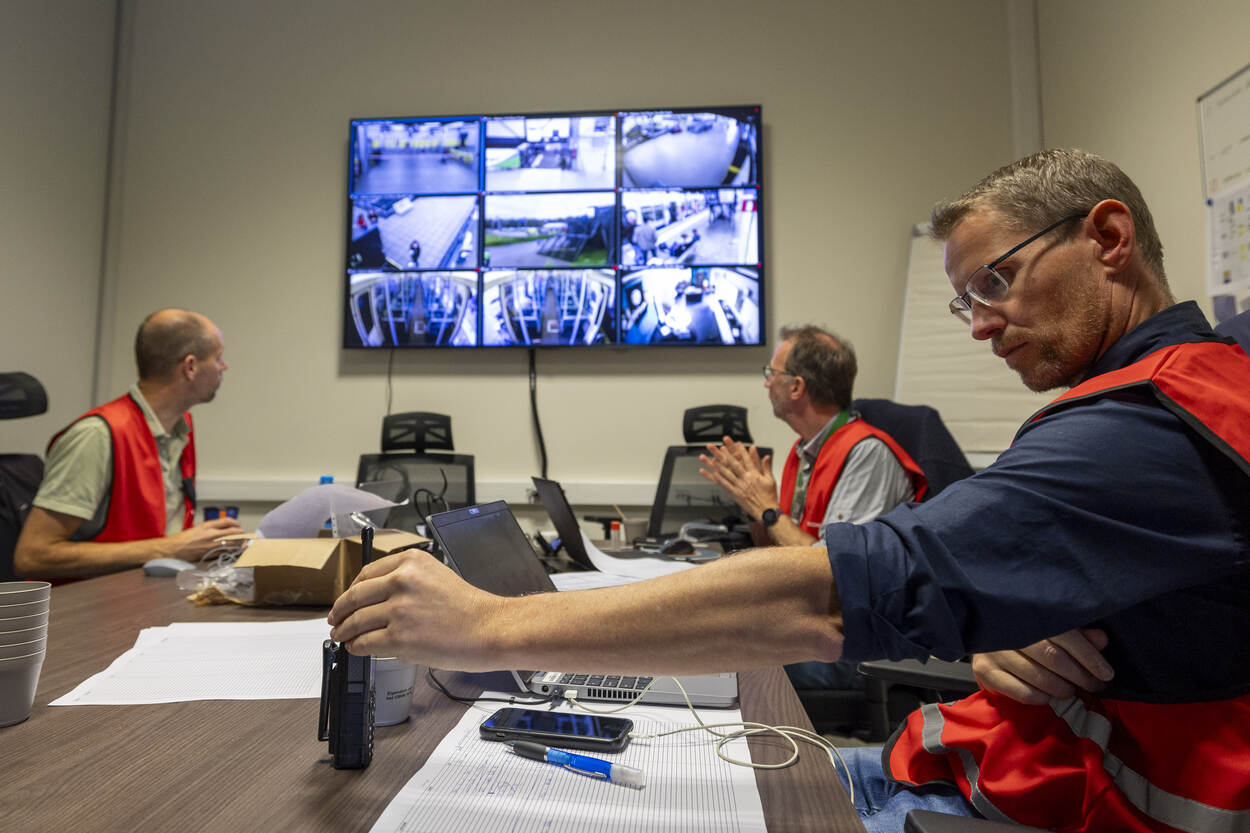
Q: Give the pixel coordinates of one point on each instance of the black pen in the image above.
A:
(366, 545)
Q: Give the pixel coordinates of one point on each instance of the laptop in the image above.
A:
(557, 505)
(486, 546)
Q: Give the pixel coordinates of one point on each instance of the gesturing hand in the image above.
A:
(742, 474)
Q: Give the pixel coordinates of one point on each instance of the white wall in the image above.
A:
(233, 204)
(56, 62)
(1121, 78)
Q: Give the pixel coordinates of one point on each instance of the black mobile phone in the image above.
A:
(561, 729)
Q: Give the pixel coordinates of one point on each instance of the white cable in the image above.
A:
(791, 734)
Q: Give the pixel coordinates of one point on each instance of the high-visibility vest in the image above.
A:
(828, 468)
(137, 492)
(1102, 764)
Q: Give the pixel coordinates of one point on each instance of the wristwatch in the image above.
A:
(769, 517)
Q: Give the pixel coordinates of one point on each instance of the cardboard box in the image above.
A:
(312, 571)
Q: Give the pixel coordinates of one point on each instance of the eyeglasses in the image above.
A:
(986, 284)
(770, 372)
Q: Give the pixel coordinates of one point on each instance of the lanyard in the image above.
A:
(805, 470)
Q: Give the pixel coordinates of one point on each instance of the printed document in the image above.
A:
(479, 785)
(211, 661)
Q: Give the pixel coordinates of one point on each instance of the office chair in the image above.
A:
(413, 467)
(21, 395)
(922, 434)
(712, 423)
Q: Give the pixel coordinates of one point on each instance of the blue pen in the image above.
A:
(594, 767)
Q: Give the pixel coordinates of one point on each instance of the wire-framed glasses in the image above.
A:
(987, 285)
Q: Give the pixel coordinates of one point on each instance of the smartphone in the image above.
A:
(560, 729)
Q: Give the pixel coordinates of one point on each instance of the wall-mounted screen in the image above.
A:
(605, 228)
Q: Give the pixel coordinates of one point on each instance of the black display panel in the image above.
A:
(593, 228)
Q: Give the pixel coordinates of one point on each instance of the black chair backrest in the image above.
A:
(21, 395)
(712, 423)
(922, 434)
(1237, 327)
(684, 495)
(20, 475)
(426, 481)
(417, 431)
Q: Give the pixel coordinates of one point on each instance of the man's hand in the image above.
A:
(740, 472)
(413, 607)
(1054, 667)
(200, 539)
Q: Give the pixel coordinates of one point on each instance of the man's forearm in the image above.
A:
(757, 608)
(44, 549)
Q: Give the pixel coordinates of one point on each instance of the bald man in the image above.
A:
(119, 483)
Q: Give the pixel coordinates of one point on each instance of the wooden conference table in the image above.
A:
(237, 766)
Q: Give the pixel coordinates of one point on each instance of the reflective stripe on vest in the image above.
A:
(1167, 808)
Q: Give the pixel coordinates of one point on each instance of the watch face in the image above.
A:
(768, 517)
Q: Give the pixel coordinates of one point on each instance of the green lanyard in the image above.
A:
(805, 474)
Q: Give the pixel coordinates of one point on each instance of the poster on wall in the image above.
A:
(1224, 133)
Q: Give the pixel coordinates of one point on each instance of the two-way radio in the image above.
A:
(347, 695)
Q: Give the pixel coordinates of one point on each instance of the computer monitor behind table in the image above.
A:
(683, 495)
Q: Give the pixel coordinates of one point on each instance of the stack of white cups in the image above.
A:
(23, 643)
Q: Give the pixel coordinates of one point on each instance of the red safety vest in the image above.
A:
(137, 493)
(828, 468)
(1099, 764)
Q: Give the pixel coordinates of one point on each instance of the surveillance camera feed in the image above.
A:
(595, 228)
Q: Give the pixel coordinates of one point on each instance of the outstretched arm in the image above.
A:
(754, 609)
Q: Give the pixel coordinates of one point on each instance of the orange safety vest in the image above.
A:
(1098, 764)
(828, 468)
(137, 492)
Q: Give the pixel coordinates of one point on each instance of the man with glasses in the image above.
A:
(840, 468)
(1123, 506)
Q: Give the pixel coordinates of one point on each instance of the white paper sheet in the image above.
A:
(638, 568)
(472, 784)
(589, 580)
(211, 661)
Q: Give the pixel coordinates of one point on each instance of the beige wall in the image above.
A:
(234, 169)
(56, 62)
(1122, 78)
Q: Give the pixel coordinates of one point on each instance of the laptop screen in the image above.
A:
(486, 546)
(557, 505)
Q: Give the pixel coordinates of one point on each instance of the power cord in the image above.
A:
(791, 734)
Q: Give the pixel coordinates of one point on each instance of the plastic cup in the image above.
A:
(25, 635)
(8, 611)
(24, 591)
(393, 680)
(19, 677)
(18, 649)
(20, 623)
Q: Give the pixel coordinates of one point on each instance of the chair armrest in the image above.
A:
(935, 674)
(927, 821)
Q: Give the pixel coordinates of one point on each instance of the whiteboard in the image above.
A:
(980, 399)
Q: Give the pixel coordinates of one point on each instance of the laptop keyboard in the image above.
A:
(606, 681)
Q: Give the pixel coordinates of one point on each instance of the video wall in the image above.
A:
(556, 229)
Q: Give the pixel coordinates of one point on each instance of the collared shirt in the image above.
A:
(1110, 514)
(79, 470)
(872, 480)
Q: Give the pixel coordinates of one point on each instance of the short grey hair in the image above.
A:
(166, 337)
(1044, 187)
(825, 361)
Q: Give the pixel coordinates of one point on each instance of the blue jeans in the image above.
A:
(882, 804)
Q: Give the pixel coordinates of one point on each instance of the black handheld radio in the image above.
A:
(347, 695)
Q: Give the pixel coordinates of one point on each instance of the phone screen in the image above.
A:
(559, 723)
